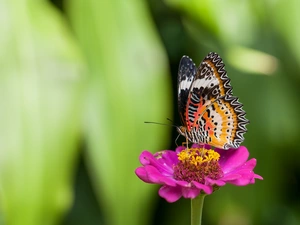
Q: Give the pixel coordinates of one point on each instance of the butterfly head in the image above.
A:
(182, 130)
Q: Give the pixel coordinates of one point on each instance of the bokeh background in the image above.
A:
(78, 78)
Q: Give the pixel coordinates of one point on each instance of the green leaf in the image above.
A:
(40, 101)
(129, 85)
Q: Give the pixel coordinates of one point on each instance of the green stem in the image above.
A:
(196, 209)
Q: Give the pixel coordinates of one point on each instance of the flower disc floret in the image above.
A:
(195, 164)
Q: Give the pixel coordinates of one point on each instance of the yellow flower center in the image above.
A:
(197, 156)
(195, 164)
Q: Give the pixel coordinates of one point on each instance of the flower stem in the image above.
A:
(196, 209)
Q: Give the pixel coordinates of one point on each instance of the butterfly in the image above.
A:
(209, 112)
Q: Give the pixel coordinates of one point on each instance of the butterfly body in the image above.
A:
(210, 114)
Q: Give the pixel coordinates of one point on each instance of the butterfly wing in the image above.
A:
(212, 112)
(223, 123)
(186, 75)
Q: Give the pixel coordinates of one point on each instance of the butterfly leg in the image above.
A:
(176, 140)
(186, 143)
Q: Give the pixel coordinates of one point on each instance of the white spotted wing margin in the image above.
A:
(240, 125)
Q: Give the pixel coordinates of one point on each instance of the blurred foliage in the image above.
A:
(79, 78)
(121, 47)
(41, 87)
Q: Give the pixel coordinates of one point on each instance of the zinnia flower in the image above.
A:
(196, 170)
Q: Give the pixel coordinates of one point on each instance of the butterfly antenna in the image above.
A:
(165, 124)
(170, 120)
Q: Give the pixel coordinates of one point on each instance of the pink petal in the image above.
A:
(167, 157)
(179, 149)
(150, 174)
(142, 174)
(229, 177)
(242, 175)
(183, 183)
(250, 164)
(256, 177)
(171, 194)
(206, 188)
(190, 192)
(146, 158)
(246, 177)
(232, 158)
(212, 182)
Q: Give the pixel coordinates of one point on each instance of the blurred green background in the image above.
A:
(79, 77)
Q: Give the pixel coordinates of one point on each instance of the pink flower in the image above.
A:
(189, 172)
